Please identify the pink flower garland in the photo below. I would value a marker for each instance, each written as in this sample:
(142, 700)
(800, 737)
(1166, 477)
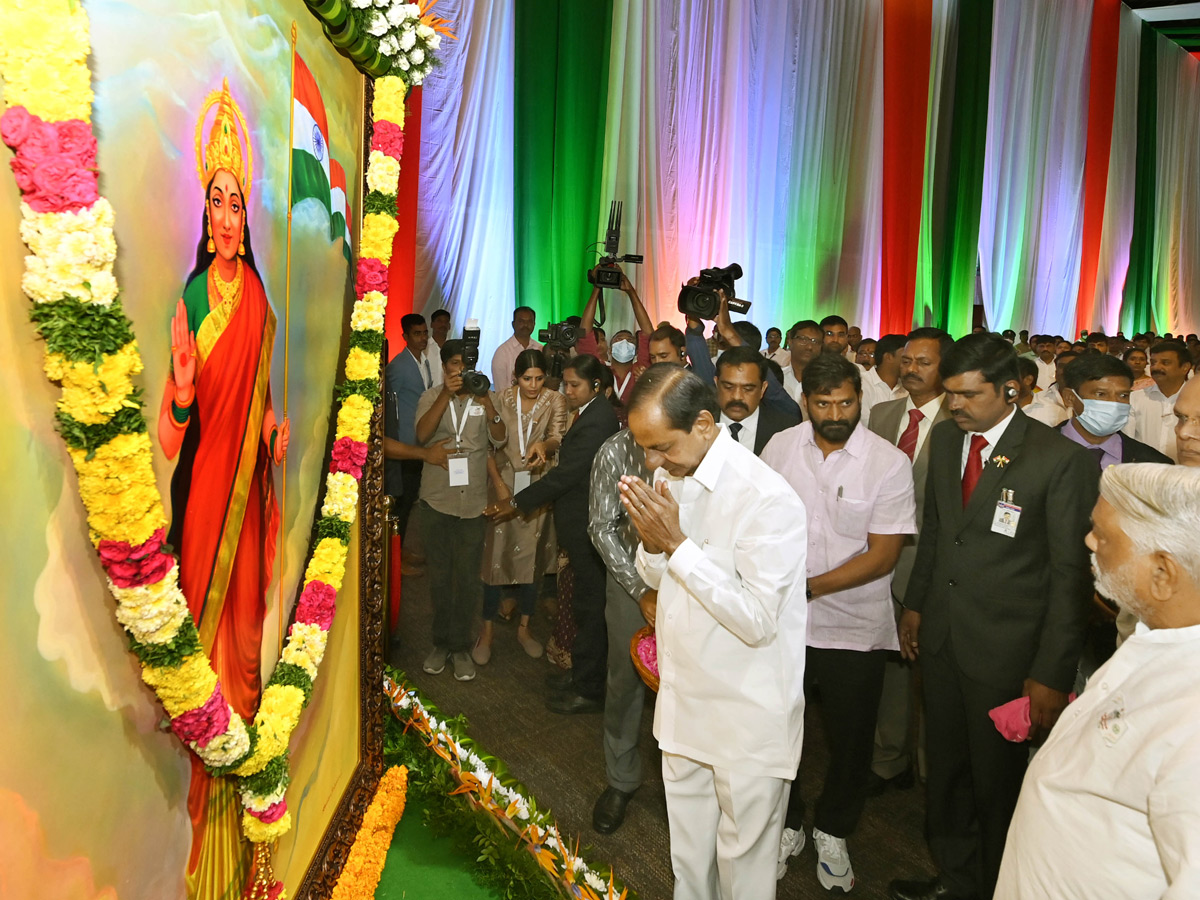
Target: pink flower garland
(372, 276)
(316, 605)
(388, 139)
(55, 163)
(349, 456)
(205, 723)
(130, 567)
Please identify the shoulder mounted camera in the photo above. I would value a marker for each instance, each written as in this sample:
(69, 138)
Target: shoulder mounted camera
(701, 301)
(606, 274)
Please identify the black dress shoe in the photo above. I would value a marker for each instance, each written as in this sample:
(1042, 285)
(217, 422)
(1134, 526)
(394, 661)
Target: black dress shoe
(933, 889)
(560, 678)
(609, 811)
(877, 784)
(573, 704)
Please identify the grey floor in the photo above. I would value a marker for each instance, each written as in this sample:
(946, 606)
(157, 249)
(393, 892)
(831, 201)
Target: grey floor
(561, 760)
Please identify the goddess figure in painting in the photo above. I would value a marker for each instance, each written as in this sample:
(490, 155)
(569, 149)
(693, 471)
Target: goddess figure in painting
(217, 417)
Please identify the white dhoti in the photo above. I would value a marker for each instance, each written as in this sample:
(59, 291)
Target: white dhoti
(725, 830)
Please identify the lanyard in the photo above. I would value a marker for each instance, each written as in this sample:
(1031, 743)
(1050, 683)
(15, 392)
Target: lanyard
(523, 433)
(624, 382)
(458, 429)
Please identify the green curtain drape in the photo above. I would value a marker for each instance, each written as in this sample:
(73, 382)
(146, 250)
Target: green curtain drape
(955, 262)
(561, 57)
(1137, 307)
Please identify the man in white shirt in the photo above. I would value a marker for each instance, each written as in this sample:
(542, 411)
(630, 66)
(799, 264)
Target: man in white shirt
(804, 342)
(857, 491)
(1152, 409)
(775, 351)
(722, 541)
(1110, 805)
(506, 354)
(1047, 371)
(882, 382)
(1048, 406)
(835, 334)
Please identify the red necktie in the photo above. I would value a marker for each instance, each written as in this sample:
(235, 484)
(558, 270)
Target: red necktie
(974, 466)
(908, 440)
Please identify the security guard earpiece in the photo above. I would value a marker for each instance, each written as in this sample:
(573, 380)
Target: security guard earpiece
(1010, 393)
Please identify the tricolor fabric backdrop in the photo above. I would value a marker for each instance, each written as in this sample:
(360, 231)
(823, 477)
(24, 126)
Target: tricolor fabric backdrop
(889, 160)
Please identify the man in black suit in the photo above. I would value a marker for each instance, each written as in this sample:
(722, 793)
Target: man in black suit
(566, 486)
(741, 379)
(996, 605)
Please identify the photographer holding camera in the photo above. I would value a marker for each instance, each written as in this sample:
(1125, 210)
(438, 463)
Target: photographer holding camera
(711, 296)
(629, 353)
(452, 500)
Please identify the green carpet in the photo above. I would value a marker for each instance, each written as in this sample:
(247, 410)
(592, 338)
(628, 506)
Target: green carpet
(422, 866)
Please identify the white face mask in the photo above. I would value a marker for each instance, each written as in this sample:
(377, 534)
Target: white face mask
(623, 351)
(1103, 417)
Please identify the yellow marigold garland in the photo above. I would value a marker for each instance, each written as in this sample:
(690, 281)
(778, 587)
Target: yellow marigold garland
(364, 865)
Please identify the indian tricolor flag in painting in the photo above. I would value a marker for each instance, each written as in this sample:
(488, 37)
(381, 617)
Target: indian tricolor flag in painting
(340, 219)
(310, 139)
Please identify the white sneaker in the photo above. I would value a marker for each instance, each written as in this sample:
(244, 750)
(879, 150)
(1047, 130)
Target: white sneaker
(435, 662)
(790, 845)
(833, 862)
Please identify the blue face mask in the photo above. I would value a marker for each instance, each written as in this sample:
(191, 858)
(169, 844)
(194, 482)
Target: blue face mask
(1103, 417)
(623, 351)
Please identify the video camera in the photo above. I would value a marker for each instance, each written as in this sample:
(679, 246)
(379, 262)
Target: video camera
(700, 300)
(606, 274)
(473, 380)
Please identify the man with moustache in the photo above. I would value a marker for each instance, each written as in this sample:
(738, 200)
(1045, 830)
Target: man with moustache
(1152, 416)
(858, 494)
(906, 424)
(1110, 806)
(996, 605)
(506, 354)
(804, 342)
(1048, 406)
(722, 541)
(741, 381)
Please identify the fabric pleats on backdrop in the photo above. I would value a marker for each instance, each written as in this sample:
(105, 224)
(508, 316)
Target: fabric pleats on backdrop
(465, 200)
(753, 131)
(1031, 222)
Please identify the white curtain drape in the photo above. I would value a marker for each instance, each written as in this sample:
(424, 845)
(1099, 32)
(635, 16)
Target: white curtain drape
(1117, 231)
(1031, 225)
(1177, 195)
(465, 199)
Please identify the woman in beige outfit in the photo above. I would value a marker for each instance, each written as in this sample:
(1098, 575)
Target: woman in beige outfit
(536, 419)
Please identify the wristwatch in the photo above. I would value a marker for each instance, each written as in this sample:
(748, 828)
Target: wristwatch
(496, 419)
(808, 592)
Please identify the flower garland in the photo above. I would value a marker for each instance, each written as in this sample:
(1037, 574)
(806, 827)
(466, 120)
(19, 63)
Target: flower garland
(406, 34)
(502, 797)
(92, 354)
(364, 864)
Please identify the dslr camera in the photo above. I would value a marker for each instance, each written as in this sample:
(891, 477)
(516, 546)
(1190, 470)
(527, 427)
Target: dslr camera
(473, 380)
(558, 339)
(606, 274)
(700, 300)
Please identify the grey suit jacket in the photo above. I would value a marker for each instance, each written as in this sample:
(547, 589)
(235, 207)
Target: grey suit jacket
(886, 419)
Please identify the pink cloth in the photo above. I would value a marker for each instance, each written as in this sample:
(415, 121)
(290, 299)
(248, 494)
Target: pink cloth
(1012, 719)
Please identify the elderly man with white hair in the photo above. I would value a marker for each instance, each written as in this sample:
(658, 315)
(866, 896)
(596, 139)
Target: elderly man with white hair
(1110, 806)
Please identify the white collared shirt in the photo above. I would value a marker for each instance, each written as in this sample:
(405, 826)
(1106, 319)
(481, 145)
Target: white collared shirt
(864, 488)
(875, 390)
(1046, 373)
(1048, 407)
(731, 617)
(992, 436)
(429, 365)
(792, 384)
(930, 410)
(749, 431)
(1152, 419)
(1110, 805)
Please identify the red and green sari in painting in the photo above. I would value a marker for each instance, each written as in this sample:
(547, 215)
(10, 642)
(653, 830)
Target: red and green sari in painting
(224, 524)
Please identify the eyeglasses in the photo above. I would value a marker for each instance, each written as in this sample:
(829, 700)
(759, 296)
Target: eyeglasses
(804, 340)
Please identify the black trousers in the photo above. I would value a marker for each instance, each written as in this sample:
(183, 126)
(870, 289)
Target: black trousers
(974, 775)
(850, 682)
(410, 477)
(453, 554)
(589, 653)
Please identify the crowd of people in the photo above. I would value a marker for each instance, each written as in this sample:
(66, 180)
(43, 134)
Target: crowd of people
(1000, 515)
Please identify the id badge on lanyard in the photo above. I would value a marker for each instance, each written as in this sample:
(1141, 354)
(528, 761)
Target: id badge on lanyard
(457, 461)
